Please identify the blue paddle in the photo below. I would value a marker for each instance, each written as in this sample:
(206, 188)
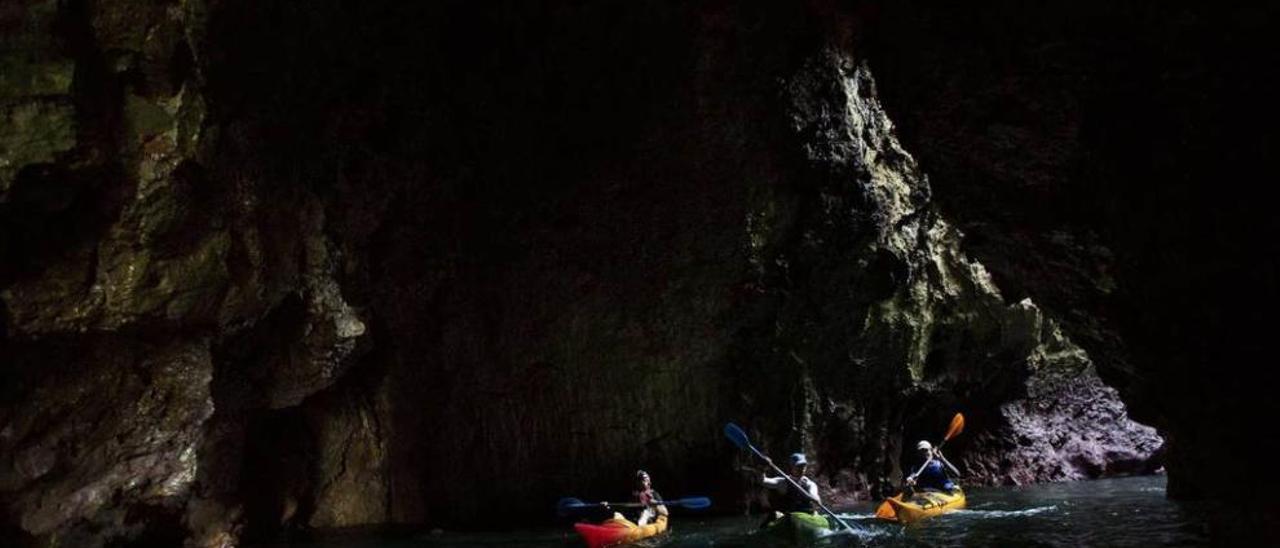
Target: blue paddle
(570, 505)
(739, 438)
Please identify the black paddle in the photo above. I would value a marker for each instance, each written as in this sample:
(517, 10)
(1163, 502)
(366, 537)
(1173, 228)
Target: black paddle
(567, 506)
(739, 438)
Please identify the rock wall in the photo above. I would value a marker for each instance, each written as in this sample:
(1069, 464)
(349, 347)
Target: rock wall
(940, 334)
(270, 268)
(142, 251)
(1106, 160)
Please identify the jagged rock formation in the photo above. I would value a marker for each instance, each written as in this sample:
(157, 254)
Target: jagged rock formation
(940, 331)
(1105, 159)
(135, 260)
(268, 267)
(1069, 425)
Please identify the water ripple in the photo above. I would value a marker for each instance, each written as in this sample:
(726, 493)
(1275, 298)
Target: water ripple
(1007, 513)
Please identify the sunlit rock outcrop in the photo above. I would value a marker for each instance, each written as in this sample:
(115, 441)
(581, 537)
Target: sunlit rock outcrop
(938, 337)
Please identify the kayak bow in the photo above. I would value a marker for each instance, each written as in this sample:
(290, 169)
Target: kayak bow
(922, 505)
(619, 530)
(800, 527)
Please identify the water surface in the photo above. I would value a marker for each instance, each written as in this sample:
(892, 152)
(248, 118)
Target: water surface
(1112, 512)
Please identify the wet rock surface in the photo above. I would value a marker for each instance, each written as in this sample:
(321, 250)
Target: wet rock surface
(1067, 426)
(272, 268)
(111, 431)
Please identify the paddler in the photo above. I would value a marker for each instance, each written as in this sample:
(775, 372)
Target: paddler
(932, 475)
(796, 500)
(651, 500)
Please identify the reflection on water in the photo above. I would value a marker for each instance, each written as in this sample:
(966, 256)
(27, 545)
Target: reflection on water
(1115, 512)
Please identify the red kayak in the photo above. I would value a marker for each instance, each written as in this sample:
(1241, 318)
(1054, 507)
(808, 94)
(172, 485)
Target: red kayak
(618, 530)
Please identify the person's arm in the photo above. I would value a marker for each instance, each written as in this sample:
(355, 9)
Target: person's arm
(661, 509)
(944, 460)
(811, 487)
(772, 483)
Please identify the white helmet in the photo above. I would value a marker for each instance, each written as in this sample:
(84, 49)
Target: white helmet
(924, 445)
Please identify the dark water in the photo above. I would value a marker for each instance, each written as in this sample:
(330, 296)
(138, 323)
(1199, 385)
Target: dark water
(1114, 512)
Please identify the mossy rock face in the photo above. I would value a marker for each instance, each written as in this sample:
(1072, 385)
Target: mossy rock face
(33, 131)
(37, 119)
(24, 75)
(29, 26)
(186, 287)
(146, 119)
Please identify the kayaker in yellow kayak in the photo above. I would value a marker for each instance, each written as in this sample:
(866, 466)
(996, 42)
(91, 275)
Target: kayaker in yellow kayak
(937, 494)
(932, 475)
(618, 530)
(645, 495)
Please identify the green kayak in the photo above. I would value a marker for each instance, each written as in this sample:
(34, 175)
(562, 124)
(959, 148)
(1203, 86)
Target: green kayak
(802, 527)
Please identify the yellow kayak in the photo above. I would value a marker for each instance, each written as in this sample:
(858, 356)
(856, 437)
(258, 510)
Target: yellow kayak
(923, 505)
(619, 530)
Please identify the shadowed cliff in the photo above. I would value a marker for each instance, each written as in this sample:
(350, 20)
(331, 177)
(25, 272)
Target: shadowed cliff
(270, 268)
(1107, 160)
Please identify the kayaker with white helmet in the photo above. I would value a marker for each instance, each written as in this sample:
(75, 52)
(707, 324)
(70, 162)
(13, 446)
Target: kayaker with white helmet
(933, 475)
(797, 501)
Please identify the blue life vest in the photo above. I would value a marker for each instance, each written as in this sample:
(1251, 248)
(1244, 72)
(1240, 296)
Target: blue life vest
(934, 477)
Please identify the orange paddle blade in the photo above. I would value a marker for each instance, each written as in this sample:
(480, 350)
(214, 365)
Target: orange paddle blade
(957, 424)
(886, 511)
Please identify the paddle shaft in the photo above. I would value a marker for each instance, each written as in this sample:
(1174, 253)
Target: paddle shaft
(797, 486)
(689, 503)
(953, 468)
(640, 504)
(938, 450)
